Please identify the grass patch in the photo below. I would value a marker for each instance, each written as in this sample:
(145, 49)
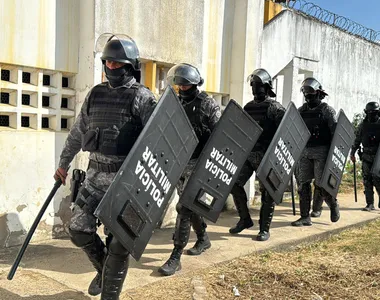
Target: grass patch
(346, 266)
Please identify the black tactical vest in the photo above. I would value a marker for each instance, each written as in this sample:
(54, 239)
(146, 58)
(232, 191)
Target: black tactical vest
(259, 112)
(370, 136)
(318, 127)
(195, 115)
(110, 114)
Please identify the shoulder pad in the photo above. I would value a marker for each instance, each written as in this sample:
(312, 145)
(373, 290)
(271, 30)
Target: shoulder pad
(202, 95)
(136, 85)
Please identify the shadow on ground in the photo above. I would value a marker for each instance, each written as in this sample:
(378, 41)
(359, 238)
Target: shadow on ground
(67, 295)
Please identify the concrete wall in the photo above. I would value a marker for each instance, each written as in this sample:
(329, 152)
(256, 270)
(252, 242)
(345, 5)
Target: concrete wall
(347, 66)
(41, 37)
(40, 33)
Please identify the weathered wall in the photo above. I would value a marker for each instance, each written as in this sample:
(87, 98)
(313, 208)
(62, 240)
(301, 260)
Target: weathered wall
(347, 66)
(27, 166)
(202, 32)
(40, 33)
(40, 37)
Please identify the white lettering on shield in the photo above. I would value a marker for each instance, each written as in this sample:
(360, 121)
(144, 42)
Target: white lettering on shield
(152, 176)
(338, 158)
(220, 166)
(284, 156)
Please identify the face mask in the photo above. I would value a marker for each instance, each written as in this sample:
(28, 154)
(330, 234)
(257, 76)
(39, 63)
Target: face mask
(259, 91)
(189, 94)
(312, 100)
(373, 117)
(117, 77)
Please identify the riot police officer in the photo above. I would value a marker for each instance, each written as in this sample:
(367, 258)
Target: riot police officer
(111, 118)
(203, 113)
(320, 119)
(368, 134)
(268, 113)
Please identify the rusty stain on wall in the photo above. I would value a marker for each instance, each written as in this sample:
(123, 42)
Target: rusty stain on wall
(21, 207)
(64, 213)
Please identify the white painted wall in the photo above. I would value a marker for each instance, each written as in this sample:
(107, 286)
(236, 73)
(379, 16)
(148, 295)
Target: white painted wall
(347, 66)
(39, 37)
(42, 34)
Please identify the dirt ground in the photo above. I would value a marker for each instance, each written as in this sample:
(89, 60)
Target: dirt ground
(346, 266)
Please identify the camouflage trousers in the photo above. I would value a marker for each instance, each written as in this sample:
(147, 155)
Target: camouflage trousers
(185, 217)
(96, 183)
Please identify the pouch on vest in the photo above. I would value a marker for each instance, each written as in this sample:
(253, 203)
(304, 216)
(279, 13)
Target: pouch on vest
(87, 202)
(108, 141)
(90, 140)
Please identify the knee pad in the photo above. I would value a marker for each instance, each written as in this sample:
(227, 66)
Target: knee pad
(80, 238)
(117, 249)
(178, 208)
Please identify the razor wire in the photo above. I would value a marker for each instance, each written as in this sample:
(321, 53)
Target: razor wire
(328, 17)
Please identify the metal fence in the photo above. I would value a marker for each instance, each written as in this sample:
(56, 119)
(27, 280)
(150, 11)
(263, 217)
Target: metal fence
(333, 19)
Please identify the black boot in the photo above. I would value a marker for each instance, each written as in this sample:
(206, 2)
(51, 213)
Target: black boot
(369, 198)
(114, 271)
(240, 200)
(203, 241)
(96, 253)
(241, 225)
(317, 203)
(334, 208)
(266, 215)
(173, 264)
(305, 199)
(180, 237)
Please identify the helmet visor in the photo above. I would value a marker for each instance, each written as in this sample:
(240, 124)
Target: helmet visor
(183, 74)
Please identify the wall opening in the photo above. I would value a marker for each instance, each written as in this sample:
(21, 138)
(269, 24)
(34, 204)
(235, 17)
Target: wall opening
(5, 75)
(4, 121)
(4, 98)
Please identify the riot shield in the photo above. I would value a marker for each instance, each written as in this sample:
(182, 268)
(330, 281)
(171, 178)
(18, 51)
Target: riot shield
(376, 163)
(220, 163)
(341, 143)
(283, 153)
(136, 199)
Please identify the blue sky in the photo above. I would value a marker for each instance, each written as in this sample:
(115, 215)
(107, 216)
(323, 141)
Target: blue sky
(365, 12)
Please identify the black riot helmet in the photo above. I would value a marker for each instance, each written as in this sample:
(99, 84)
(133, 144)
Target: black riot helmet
(184, 74)
(122, 49)
(372, 107)
(119, 48)
(311, 86)
(261, 78)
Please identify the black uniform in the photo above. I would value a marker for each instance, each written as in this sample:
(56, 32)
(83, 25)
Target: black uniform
(268, 113)
(203, 113)
(320, 119)
(368, 135)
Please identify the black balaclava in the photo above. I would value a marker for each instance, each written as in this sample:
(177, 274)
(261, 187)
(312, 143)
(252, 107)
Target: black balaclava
(190, 94)
(120, 76)
(373, 116)
(313, 100)
(259, 91)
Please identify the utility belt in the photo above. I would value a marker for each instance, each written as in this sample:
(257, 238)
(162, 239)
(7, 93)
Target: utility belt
(102, 167)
